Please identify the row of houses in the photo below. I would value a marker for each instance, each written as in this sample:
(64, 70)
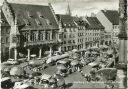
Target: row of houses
(35, 29)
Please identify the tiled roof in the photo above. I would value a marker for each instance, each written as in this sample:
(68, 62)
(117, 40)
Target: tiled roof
(34, 17)
(93, 22)
(67, 20)
(112, 15)
(80, 21)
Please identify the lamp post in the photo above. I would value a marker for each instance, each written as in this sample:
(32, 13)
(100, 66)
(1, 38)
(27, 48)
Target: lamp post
(123, 31)
(122, 64)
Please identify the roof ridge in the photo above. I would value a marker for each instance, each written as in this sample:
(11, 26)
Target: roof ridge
(28, 4)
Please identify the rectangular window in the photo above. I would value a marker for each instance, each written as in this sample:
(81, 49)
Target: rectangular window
(7, 39)
(14, 39)
(7, 31)
(65, 36)
(2, 40)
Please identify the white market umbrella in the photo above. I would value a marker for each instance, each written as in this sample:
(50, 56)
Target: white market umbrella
(94, 47)
(46, 76)
(63, 61)
(74, 62)
(108, 73)
(33, 55)
(5, 79)
(49, 60)
(35, 62)
(110, 52)
(60, 82)
(74, 50)
(61, 67)
(6, 69)
(93, 64)
(17, 71)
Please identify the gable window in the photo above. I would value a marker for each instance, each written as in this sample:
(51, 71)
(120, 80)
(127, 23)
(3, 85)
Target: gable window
(38, 22)
(27, 23)
(40, 15)
(48, 22)
(29, 14)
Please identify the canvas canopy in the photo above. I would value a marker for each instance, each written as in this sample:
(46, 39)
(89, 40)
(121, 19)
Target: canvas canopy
(55, 58)
(46, 76)
(16, 71)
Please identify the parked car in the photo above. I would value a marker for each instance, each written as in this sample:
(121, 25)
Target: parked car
(12, 61)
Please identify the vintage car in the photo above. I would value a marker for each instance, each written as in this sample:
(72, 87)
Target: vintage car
(12, 61)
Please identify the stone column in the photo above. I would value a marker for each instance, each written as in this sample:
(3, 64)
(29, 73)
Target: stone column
(44, 36)
(37, 36)
(9, 52)
(28, 54)
(15, 53)
(50, 50)
(51, 35)
(40, 52)
(29, 36)
(59, 48)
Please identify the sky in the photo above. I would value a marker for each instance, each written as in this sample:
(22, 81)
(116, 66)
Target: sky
(78, 7)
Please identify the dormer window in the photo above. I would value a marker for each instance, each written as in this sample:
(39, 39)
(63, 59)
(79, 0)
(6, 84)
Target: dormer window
(48, 22)
(29, 14)
(40, 15)
(38, 22)
(27, 23)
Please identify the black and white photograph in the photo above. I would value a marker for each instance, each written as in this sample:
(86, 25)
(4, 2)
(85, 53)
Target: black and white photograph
(63, 44)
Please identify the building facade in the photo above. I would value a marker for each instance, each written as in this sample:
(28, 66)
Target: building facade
(5, 42)
(81, 26)
(110, 20)
(69, 32)
(94, 32)
(34, 29)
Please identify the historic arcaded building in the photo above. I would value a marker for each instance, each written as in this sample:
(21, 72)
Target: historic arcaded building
(29, 29)
(5, 42)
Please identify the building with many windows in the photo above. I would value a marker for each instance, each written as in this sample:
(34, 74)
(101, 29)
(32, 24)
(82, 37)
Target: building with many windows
(69, 32)
(110, 20)
(81, 26)
(94, 32)
(31, 29)
(5, 42)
